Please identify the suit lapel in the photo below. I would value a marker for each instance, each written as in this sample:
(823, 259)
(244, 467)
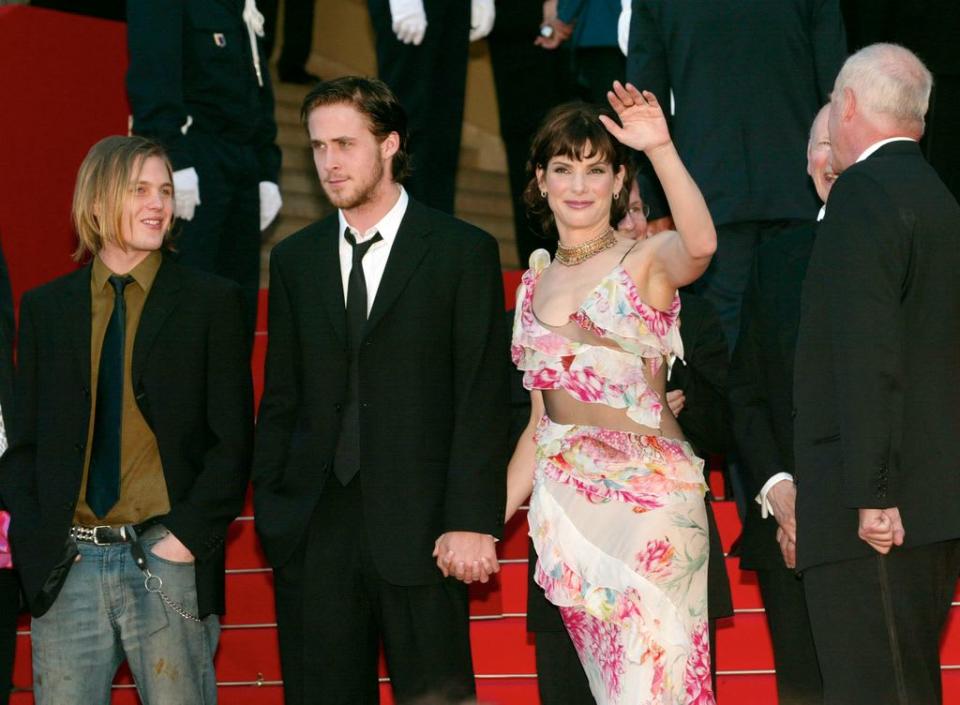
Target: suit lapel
(322, 270)
(163, 298)
(77, 317)
(408, 250)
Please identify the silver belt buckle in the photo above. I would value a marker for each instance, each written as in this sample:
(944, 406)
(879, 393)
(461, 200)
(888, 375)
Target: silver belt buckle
(96, 540)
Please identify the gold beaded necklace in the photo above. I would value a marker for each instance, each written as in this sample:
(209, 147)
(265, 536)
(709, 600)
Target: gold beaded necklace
(570, 256)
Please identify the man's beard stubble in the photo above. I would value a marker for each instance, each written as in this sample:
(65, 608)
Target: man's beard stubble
(365, 191)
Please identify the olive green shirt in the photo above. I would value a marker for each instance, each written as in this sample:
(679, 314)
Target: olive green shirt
(143, 488)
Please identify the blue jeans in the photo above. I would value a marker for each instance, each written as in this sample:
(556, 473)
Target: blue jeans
(104, 615)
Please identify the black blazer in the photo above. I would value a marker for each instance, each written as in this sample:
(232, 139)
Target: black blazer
(876, 381)
(748, 77)
(193, 59)
(761, 381)
(191, 378)
(432, 390)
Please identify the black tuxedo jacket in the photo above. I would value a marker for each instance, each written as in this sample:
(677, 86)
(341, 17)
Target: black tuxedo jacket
(761, 381)
(191, 378)
(748, 77)
(433, 392)
(876, 381)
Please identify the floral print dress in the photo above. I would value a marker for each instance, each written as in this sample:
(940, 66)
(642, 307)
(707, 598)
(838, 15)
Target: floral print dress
(618, 518)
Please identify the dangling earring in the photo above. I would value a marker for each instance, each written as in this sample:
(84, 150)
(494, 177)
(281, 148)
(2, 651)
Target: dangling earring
(616, 196)
(543, 194)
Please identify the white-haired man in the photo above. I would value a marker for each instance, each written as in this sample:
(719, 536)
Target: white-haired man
(877, 395)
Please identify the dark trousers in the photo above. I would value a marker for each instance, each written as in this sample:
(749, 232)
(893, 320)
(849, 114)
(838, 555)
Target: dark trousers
(224, 235)
(877, 623)
(727, 276)
(333, 609)
(798, 673)
(297, 32)
(9, 609)
(529, 81)
(595, 69)
(430, 81)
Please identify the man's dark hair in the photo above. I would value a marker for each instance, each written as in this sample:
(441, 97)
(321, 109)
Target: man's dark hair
(373, 99)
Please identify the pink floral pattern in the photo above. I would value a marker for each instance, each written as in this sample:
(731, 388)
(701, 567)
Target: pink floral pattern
(597, 373)
(697, 682)
(6, 557)
(656, 559)
(618, 518)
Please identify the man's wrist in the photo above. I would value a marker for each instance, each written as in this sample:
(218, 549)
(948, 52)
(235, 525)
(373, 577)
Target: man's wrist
(765, 508)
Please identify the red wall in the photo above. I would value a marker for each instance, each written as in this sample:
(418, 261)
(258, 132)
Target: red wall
(61, 90)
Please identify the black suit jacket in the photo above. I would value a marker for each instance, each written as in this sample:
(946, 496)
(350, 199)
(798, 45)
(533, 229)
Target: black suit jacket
(748, 77)
(761, 381)
(876, 381)
(432, 392)
(191, 378)
(193, 60)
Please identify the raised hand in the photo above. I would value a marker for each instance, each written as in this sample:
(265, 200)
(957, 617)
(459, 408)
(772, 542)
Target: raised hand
(644, 126)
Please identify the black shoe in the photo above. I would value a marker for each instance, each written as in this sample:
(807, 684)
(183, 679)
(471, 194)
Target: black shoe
(298, 75)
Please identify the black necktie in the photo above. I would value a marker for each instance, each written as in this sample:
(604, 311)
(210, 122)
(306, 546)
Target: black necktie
(346, 463)
(357, 288)
(103, 478)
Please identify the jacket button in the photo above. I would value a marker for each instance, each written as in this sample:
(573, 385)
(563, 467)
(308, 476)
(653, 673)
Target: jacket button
(338, 407)
(793, 413)
(79, 447)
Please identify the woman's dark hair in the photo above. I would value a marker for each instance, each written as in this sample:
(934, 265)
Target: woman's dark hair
(372, 98)
(574, 131)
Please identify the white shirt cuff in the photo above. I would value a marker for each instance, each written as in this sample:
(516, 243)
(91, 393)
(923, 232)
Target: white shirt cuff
(761, 498)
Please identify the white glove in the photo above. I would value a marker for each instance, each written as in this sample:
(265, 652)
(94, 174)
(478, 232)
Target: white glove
(409, 20)
(270, 203)
(186, 189)
(623, 26)
(482, 15)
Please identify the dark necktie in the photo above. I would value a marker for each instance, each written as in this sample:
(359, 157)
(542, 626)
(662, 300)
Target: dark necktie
(103, 477)
(346, 464)
(357, 289)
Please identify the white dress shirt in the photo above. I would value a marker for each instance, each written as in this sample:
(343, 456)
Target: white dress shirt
(375, 261)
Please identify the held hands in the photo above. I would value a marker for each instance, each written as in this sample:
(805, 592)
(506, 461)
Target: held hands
(783, 501)
(170, 548)
(644, 125)
(882, 529)
(466, 555)
(409, 20)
